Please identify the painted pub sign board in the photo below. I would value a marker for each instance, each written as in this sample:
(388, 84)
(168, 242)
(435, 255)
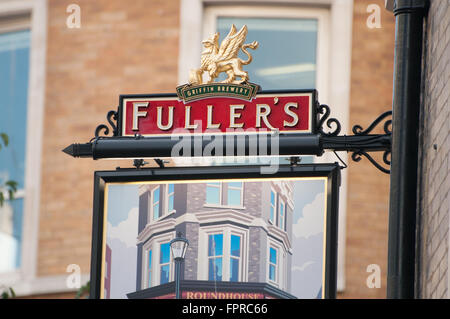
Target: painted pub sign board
(251, 236)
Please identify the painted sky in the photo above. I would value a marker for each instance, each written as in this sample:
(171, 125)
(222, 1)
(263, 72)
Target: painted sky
(123, 209)
(307, 238)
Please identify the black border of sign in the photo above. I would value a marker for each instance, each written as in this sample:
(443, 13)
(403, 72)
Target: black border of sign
(330, 171)
(171, 95)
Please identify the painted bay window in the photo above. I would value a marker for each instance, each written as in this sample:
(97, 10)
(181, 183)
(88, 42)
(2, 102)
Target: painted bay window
(235, 257)
(273, 264)
(157, 262)
(223, 249)
(215, 257)
(149, 269)
(164, 263)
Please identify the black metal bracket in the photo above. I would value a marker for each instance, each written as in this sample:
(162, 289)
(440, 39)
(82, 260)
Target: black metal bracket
(360, 144)
(112, 115)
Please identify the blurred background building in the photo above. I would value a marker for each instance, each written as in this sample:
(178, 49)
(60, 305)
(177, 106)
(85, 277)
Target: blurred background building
(60, 75)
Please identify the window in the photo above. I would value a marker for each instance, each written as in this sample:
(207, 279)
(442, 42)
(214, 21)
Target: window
(273, 264)
(156, 263)
(14, 66)
(170, 197)
(222, 253)
(164, 263)
(155, 203)
(281, 215)
(273, 206)
(235, 257)
(234, 194)
(215, 257)
(149, 269)
(213, 193)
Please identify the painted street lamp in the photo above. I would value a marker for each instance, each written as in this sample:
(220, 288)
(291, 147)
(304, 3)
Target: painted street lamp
(178, 246)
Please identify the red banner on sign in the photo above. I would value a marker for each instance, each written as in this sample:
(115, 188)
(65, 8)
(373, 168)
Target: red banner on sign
(159, 116)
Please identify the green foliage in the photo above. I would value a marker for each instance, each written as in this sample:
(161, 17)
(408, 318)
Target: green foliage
(5, 139)
(11, 186)
(8, 293)
(83, 291)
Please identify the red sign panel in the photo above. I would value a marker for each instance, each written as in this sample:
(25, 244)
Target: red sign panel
(167, 115)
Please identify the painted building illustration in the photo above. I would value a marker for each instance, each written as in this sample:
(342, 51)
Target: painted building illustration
(239, 232)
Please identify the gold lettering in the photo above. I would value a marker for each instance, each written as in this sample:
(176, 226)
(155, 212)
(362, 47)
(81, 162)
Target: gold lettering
(210, 123)
(169, 124)
(234, 116)
(137, 113)
(291, 114)
(263, 115)
(187, 119)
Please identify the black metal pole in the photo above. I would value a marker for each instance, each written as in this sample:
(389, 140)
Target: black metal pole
(409, 16)
(178, 262)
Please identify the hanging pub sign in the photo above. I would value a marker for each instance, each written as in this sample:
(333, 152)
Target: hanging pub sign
(250, 236)
(218, 113)
(232, 117)
(253, 234)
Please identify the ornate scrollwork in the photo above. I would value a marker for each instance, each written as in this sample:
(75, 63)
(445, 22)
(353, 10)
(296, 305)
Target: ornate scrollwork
(357, 156)
(110, 117)
(321, 109)
(358, 130)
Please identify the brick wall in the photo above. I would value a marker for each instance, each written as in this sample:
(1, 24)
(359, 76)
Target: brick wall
(368, 188)
(119, 49)
(434, 156)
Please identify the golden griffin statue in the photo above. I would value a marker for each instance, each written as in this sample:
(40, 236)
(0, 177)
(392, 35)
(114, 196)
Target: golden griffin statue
(216, 60)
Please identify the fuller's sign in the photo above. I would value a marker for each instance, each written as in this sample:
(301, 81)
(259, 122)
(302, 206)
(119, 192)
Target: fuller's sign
(156, 115)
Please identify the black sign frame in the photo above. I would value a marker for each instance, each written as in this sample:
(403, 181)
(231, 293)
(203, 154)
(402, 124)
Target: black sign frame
(330, 171)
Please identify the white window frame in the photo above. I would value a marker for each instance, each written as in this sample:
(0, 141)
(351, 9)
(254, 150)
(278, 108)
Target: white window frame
(277, 255)
(220, 187)
(239, 258)
(192, 30)
(153, 204)
(241, 189)
(169, 263)
(227, 231)
(168, 195)
(281, 219)
(149, 270)
(154, 244)
(273, 221)
(221, 203)
(24, 280)
(281, 269)
(217, 256)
